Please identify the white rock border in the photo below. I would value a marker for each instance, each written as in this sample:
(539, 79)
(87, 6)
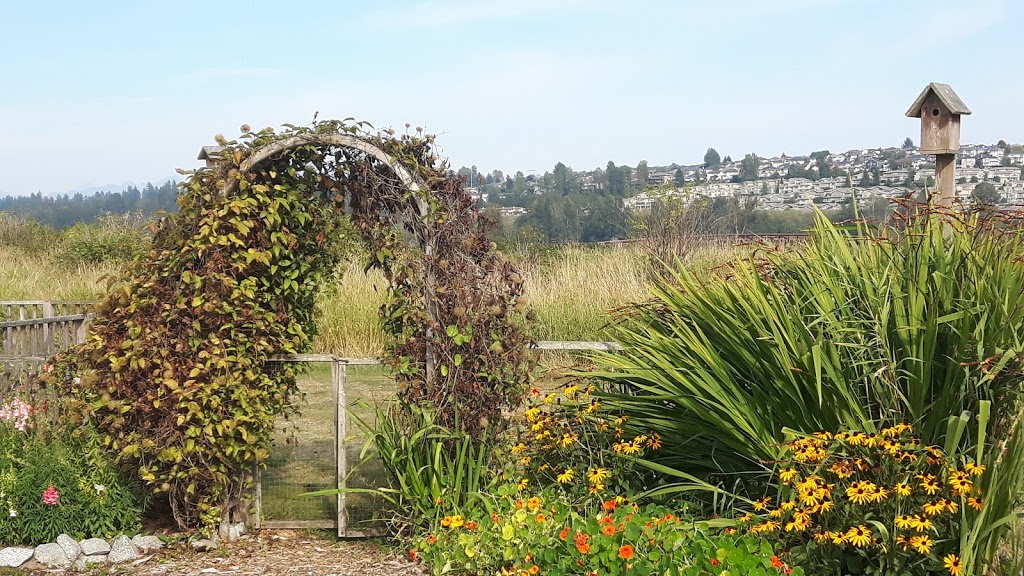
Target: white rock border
(127, 549)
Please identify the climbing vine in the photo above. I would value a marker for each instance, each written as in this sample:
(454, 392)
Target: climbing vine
(177, 367)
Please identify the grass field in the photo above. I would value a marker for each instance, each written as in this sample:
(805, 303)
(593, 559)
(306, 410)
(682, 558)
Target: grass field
(570, 289)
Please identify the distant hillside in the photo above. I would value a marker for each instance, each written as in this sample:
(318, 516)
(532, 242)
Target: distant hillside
(63, 211)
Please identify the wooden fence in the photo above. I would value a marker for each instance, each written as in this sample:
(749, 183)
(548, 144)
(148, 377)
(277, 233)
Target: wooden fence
(31, 332)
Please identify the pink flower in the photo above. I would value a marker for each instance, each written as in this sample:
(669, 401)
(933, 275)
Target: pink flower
(17, 412)
(51, 496)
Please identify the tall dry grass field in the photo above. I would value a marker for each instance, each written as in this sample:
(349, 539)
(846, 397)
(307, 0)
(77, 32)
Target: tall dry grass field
(41, 276)
(571, 289)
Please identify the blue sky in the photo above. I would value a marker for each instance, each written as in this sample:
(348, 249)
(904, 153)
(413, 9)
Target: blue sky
(94, 93)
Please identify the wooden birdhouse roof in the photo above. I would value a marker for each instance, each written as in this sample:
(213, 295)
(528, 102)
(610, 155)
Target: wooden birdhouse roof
(945, 94)
(210, 152)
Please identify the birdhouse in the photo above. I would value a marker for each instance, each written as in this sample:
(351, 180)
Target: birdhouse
(210, 154)
(939, 109)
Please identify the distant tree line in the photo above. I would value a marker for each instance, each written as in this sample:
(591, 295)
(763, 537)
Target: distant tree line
(64, 211)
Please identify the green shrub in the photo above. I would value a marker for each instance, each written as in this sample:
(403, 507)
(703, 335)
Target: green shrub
(60, 482)
(111, 238)
(25, 234)
(545, 534)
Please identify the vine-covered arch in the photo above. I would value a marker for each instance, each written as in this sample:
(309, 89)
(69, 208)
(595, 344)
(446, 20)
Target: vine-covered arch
(176, 370)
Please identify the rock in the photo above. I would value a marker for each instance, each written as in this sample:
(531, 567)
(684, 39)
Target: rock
(84, 562)
(14, 557)
(122, 550)
(70, 546)
(51, 555)
(230, 532)
(147, 543)
(204, 545)
(94, 546)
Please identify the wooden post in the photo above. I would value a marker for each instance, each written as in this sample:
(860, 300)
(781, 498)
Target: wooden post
(339, 373)
(945, 179)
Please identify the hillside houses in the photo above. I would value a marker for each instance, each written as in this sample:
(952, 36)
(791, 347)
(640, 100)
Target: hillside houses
(794, 182)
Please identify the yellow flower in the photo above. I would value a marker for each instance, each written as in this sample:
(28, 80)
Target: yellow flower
(654, 442)
(595, 488)
(568, 439)
(550, 398)
(930, 486)
(522, 483)
(922, 544)
(457, 521)
(746, 518)
(621, 420)
(922, 524)
(975, 469)
(531, 414)
(857, 438)
(565, 477)
(769, 526)
(951, 505)
(571, 391)
(841, 469)
(787, 475)
(761, 504)
(861, 492)
(597, 475)
(630, 448)
(953, 564)
(974, 503)
(518, 448)
(788, 505)
(933, 508)
(903, 489)
(859, 536)
(903, 521)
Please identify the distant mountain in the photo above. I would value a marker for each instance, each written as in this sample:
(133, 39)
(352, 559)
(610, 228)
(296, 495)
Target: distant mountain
(90, 190)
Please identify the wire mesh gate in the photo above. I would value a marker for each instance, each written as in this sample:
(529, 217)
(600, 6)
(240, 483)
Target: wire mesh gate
(310, 463)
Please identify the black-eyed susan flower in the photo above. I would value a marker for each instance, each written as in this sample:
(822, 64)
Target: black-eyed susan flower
(922, 543)
(974, 469)
(953, 564)
(902, 489)
(565, 477)
(787, 474)
(859, 536)
(974, 503)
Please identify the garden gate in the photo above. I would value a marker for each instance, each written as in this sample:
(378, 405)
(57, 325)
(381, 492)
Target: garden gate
(280, 490)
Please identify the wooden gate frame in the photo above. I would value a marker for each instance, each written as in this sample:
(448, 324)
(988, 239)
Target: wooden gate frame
(339, 377)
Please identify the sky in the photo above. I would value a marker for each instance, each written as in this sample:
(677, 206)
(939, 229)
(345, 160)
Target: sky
(106, 92)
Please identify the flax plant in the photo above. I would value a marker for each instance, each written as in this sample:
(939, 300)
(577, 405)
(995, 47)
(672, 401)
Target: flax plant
(874, 325)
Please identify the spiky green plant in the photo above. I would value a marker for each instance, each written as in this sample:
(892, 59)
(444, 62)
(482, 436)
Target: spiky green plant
(918, 324)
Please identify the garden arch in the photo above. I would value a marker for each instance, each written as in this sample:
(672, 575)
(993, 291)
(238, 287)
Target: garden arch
(177, 369)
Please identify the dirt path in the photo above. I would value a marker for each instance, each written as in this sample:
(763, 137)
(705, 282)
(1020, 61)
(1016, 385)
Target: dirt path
(268, 553)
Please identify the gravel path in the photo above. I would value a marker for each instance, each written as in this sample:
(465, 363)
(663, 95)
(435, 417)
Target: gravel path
(266, 553)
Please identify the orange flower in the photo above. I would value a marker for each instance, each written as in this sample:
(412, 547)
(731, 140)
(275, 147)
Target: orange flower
(582, 548)
(564, 533)
(608, 530)
(540, 518)
(626, 552)
(432, 539)
(776, 562)
(471, 525)
(609, 505)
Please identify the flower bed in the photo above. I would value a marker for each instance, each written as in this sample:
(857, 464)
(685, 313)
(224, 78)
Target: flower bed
(56, 482)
